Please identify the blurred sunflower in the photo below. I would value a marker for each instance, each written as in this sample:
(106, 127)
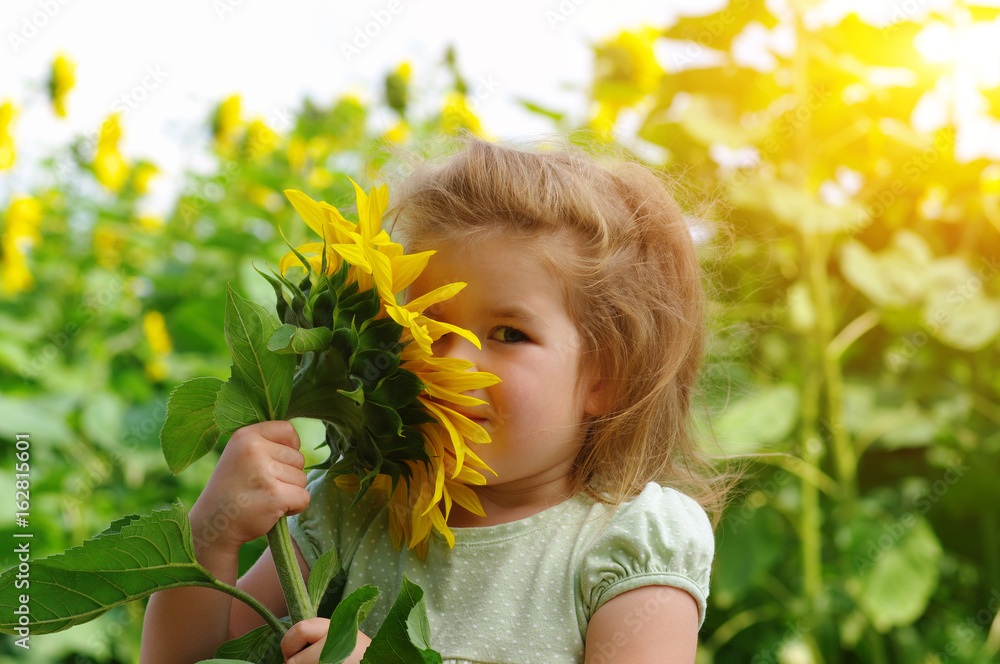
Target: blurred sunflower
(109, 165)
(7, 154)
(439, 473)
(20, 235)
(61, 81)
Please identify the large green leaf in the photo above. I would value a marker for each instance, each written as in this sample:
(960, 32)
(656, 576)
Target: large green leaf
(190, 431)
(343, 635)
(134, 557)
(405, 635)
(267, 375)
(897, 572)
(763, 419)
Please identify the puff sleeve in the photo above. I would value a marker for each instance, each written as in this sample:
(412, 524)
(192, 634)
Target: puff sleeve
(661, 538)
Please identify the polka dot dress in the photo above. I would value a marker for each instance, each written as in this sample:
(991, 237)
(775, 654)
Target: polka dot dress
(522, 591)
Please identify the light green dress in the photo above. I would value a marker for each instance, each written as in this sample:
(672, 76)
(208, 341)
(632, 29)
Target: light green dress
(522, 591)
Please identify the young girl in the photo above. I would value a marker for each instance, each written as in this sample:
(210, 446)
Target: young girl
(584, 290)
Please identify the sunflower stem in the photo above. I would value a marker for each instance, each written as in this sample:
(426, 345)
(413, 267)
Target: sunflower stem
(289, 575)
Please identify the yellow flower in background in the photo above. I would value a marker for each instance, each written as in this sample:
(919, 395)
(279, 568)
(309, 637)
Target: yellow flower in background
(398, 134)
(226, 123)
(154, 327)
(150, 223)
(261, 139)
(7, 113)
(108, 245)
(20, 235)
(319, 178)
(626, 70)
(61, 81)
(109, 165)
(143, 173)
(404, 71)
(296, 153)
(457, 115)
(423, 503)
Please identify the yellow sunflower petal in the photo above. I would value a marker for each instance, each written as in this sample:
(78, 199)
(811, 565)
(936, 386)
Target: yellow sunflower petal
(437, 329)
(311, 212)
(441, 294)
(406, 268)
(466, 497)
(458, 443)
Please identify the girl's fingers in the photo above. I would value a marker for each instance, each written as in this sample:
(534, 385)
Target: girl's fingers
(290, 475)
(279, 431)
(287, 455)
(302, 634)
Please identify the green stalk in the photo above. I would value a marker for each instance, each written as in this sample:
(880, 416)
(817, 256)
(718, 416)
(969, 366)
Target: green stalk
(272, 621)
(289, 574)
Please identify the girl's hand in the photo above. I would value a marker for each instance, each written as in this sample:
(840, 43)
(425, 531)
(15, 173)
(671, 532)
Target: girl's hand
(303, 643)
(258, 479)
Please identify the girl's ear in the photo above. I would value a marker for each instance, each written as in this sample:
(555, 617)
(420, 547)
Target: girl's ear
(596, 399)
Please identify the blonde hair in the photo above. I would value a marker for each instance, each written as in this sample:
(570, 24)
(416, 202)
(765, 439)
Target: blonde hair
(633, 288)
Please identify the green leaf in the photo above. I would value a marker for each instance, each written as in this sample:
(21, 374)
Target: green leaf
(190, 430)
(326, 570)
(237, 406)
(267, 375)
(260, 645)
(405, 635)
(898, 572)
(298, 340)
(763, 419)
(133, 558)
(342, 637)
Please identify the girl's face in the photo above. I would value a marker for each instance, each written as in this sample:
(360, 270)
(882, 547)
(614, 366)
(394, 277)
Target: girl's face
(515, 307)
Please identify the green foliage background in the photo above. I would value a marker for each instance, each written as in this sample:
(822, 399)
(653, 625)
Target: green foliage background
(852, 363)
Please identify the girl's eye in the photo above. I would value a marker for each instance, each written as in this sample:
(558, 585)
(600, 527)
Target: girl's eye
(508, 335)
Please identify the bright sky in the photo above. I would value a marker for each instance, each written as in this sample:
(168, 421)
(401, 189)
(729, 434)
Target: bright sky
(174, 61)
(167, 64)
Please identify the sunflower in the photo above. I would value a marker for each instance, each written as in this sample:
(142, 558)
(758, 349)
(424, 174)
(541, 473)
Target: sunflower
(380, 357)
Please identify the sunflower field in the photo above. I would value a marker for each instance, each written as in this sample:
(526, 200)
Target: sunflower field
(845, 189)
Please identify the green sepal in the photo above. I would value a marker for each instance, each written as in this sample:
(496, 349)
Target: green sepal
(290, 339)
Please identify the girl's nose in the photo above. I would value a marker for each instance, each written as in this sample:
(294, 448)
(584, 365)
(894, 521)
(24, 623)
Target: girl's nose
(453, 345)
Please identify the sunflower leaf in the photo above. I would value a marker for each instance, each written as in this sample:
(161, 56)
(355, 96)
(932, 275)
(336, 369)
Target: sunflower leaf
(131, 559)
(190, 431)
(342, 636)
(405, 635)
(266, 375)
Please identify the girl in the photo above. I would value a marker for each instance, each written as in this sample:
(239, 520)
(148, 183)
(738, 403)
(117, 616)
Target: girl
(584, 289)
